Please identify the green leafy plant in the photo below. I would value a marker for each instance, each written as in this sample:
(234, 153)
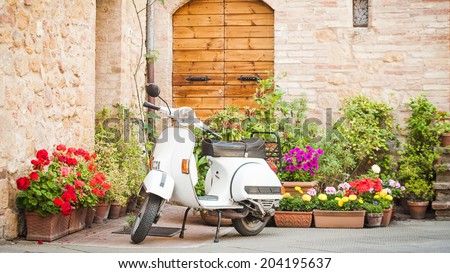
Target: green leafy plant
(367, 129)
(298, 202)
(122, 155)
(374, 207)
(416, 166)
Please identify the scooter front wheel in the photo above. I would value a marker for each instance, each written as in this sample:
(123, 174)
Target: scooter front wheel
(249, 225)
(145, 218)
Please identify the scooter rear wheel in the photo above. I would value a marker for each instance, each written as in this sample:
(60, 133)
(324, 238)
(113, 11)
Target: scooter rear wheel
(249, 225)
(145, 218)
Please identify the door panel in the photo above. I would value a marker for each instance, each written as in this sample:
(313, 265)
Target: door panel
(219, 48)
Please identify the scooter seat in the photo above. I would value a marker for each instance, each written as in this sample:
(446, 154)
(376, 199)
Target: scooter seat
(250, 147)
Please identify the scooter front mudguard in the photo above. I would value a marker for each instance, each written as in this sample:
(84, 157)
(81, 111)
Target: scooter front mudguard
(159, 183)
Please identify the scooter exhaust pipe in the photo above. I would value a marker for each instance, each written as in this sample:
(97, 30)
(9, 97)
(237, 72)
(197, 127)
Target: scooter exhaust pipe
(232, 214)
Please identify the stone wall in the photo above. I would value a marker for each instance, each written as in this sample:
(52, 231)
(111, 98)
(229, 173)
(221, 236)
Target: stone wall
(403, 52)
(120, 52)
(47, 86)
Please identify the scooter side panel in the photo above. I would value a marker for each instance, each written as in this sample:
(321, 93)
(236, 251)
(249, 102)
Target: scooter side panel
(159, 183)
(255, 181)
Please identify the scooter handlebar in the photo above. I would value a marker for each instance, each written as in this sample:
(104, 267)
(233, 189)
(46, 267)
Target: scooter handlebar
(209, 130)
(151, 106)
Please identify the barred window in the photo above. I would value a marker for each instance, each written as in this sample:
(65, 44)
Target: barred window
(360, 13)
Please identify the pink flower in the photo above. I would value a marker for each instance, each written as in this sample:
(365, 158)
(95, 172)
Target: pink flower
(65, 171)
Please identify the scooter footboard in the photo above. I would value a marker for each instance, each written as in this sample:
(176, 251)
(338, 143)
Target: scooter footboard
(159, 183)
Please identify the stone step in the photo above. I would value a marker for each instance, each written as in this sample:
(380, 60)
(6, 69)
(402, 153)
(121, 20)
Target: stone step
(442, 185)
(442, 195)
(443, 176)
(440, 205)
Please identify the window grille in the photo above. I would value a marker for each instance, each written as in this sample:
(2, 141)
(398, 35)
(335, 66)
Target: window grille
(360, 13)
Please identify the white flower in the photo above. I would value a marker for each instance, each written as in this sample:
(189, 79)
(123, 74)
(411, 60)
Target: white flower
(376, 168)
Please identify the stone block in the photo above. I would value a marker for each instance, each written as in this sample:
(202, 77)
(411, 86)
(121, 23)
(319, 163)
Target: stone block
(440, 205)
(443, 176)
(442, 186)
(443, 195)
(442, 213)
(11, 226)
(2, 91)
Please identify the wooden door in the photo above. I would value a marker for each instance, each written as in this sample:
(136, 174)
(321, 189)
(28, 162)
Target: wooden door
(220, 47)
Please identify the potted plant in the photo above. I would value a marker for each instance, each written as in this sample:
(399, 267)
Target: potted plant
(419, 193)
(295, 211)
(443, 130)
(338, 208)
(298, 169)
(57, 185)
(416, 165)
(121, 159)
(374, 213)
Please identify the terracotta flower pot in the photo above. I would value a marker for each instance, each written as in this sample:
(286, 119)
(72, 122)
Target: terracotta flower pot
(339, 219)
(373, 219)
(387, 216)
(77, 220)
(211, 220)
(114, 211)
(101, 212)
(289, 187)
(418, 209)
(123, 211)
(299, 219)
(46, 228)
(90, 216)
(445, 139)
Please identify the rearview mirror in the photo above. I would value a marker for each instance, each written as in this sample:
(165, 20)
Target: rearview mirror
(152, 90)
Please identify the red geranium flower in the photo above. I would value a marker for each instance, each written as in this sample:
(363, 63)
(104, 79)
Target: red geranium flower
(66, 208)
(61, 148)
(58, 201)
(23, 183)
(34, 176)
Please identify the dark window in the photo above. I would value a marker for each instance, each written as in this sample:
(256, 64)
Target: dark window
(360, 13)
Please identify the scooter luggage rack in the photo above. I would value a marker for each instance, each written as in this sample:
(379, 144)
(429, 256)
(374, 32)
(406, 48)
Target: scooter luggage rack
(273, 148)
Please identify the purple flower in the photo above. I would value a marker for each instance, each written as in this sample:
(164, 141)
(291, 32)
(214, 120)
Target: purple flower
(375, 202)
(388, 191)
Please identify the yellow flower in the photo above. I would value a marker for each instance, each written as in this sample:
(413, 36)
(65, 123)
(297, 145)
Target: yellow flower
(297, 188)
(352, 197)
(341, 203)
(389, 197)
(337, 198)
(361, 200)
(383, 193)
(345, 199)
(287, 195)
(376, 196)
(322, 197)
(306, 198)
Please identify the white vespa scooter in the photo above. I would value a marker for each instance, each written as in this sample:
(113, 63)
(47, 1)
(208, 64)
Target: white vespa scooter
(239, 184)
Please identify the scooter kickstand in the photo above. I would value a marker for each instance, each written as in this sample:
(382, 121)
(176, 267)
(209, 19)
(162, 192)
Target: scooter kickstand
(219, 218)
(184, 223)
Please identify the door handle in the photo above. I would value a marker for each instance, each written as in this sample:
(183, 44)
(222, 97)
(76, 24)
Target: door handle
(249, 78)
(198, 79)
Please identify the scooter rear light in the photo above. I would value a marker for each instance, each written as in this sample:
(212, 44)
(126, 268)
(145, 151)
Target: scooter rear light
(185, 166)
(150, 163)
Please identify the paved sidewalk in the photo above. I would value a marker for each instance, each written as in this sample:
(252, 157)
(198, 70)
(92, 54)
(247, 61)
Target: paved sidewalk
(420, 236)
